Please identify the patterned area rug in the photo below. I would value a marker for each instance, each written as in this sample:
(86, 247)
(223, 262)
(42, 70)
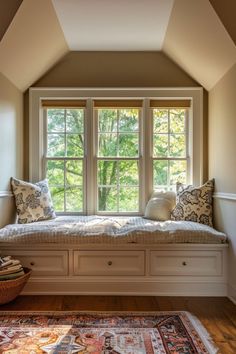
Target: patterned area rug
(123, 333)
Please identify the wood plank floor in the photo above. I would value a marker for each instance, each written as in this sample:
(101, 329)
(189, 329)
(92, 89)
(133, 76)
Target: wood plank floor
(218, 314)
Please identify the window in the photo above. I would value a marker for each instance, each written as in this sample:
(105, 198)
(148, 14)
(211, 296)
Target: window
(104, 151)
(170, 143)
(64, 157)
(118, 156)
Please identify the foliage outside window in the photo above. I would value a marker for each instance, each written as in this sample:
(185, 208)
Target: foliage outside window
(116, 155)
(65, 158)
(169, 147)
(118, 160)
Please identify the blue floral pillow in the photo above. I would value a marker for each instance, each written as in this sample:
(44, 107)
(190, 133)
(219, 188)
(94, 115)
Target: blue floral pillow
(33, 201)
(194, 203)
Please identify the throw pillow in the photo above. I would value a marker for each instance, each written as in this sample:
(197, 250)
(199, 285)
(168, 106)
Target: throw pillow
(160, 205)
(194, 203)
(33, 201)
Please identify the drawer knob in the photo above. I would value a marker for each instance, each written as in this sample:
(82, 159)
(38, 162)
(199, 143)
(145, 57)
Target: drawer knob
(32, 263)
(184, 263)
(109, 263)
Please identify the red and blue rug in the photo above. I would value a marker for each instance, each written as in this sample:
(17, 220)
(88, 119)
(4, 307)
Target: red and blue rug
(113, 333)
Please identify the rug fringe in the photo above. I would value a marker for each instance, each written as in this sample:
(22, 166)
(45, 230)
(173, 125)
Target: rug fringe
(203, 333)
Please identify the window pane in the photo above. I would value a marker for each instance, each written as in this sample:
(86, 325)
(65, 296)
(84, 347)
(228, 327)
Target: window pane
(56, 120)
(160, 145)
(74, 199)
(129, 199)
(75, 145)
(56, 145)
(129, 120)
(107, 199)
(57, 194)
(160, 173)
(128, 173)
(177, 145)
(107, 120)
(74, 173)
(108, 144)
(177, 120)
(128, 145)
(178, 172)
(107, 173)
(75, 120)
(55, 173)
(160, 121)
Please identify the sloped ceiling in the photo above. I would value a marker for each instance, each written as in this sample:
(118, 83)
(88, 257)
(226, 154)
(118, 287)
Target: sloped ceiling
(7, 12)
(226, 10)
(107, 25)
(195, 37)
(33, 43)
(197, 40)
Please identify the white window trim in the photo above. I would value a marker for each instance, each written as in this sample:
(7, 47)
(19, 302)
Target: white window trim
(187, 157)
(36, 138)
(139, 158)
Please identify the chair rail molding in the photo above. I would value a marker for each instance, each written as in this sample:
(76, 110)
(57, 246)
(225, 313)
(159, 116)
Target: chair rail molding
(6, 194)
(228, 196)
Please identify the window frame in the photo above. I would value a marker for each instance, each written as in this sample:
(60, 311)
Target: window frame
(187, 156)
(139, 158)
(46, 158)
(36, 138)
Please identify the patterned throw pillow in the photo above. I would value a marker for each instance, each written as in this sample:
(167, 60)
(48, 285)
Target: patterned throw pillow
(194, 203)
(33, 201)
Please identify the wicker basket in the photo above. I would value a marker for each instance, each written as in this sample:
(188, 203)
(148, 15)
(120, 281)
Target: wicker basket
(10, 289)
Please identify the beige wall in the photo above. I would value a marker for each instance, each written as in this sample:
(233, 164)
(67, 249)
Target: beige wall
(222, 160)
(11, 141)
(116, 69)
(112, 69)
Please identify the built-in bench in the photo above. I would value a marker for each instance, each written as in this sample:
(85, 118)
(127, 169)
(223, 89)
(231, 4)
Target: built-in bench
(101, 255)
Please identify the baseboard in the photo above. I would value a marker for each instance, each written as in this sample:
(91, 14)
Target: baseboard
(232, 293)
(72, 286)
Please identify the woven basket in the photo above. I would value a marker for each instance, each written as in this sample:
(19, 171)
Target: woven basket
(10, 289)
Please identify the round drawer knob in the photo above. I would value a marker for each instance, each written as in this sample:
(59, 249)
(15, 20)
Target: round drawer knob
(32, 263)
(184, 263)
(109, 263)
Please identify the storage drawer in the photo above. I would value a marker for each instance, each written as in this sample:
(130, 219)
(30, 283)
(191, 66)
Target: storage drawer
(43, 262)
(109, 262)
(193, 263)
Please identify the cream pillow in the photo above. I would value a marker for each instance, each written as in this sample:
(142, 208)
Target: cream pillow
(171, 196)
(33, 201)
(160, 206)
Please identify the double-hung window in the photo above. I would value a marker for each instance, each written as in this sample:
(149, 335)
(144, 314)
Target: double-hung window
(64, 161)
(170, 142)
(105, 153)
(118, 155)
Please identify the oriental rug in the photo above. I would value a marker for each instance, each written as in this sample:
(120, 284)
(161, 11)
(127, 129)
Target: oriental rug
(106, 333)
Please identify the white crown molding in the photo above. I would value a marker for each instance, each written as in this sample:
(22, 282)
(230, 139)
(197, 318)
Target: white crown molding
(229, 196)
(6, 194)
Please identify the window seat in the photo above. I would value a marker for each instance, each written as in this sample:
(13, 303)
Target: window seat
(110, 230)
(119, 255)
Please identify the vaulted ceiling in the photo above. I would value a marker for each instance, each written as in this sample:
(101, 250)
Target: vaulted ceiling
(199, 35)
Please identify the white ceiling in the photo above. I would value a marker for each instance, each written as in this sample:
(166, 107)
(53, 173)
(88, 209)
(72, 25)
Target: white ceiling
(114, 25)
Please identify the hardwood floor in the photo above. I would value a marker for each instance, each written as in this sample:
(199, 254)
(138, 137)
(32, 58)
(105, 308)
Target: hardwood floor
(217, 314)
